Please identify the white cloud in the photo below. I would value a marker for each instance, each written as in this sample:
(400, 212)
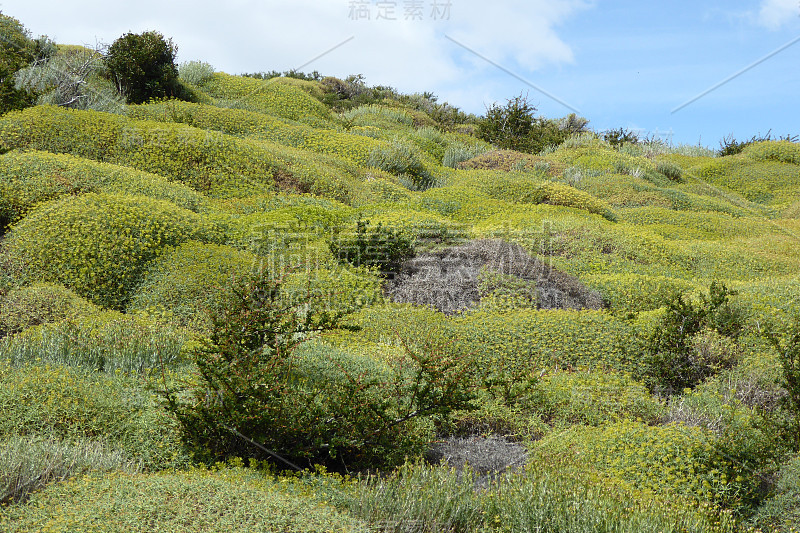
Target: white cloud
(256, 35)
(776, 13)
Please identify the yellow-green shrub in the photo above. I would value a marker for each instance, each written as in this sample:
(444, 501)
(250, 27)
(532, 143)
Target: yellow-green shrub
(631, 293)
(190, 280)
(98, 245)
(235, 500)
(665, 459)
(74, 404)
(274, 96)
(780, 151)
(219, 164)
(40, 303)
(29, 178)
(593, 398)
(763, 181)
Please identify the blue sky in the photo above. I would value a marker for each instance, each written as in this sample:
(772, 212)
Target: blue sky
(620, 64)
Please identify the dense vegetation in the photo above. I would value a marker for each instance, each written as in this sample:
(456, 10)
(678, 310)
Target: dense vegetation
(199, 327)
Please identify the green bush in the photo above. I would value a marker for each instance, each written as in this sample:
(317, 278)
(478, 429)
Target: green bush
(677, 358)
(236, 500)
(40, 303)
(28, 464)
(546, 497)
(99, 245)
(195, 72)
(101, 342)
(189, 281)
(781, 512)
(513, 127)
(142, 66)
(593, 398)
(260, 396)
(373, 246)
(32, 177)
(78, 405)
(16, 51)
(402, 160)
(670, 170)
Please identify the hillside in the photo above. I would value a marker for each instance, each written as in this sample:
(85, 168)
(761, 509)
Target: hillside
(604, 340)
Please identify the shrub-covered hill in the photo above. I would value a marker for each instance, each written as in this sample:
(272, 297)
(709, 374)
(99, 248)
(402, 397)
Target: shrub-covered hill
(187, 282)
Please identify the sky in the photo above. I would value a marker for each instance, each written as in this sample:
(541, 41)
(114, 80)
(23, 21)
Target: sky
(684, 72)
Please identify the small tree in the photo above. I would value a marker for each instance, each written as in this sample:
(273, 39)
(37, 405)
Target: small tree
(255, 397)
(508, 126)
(142, 66)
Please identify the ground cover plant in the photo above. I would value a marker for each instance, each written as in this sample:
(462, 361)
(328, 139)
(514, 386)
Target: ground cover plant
(291, 302)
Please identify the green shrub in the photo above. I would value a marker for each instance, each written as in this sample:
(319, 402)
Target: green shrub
(668, 460)
(28, 464)
(237, 500)
(670, 170)
(401, 160)
(32, 177)
(195, 72)
(373, 246)
(40, 303)
(102, 342)
(259, 396)
(99, 245)
(188, 281)
(547, 497)
(788, 350)
(677, 358)
(513, 127)
(76, 405)
(16, 51)
(781, 512)
(783, 151)
(593, 398)
(142, 66)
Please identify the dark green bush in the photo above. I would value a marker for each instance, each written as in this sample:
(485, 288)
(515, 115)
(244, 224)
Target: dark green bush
(514, 127)
(142, 66)
(620, 137)
(373, 246)
(258, 396)
(676, 359)
(788, 350)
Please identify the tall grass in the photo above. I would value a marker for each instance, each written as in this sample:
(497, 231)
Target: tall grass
(29, 463)
(124, 344)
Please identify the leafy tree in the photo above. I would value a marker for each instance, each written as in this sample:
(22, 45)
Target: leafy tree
(142, 66)
(17, 50)
(514, 127)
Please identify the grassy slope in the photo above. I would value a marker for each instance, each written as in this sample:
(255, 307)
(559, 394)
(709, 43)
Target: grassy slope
(234, 162)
